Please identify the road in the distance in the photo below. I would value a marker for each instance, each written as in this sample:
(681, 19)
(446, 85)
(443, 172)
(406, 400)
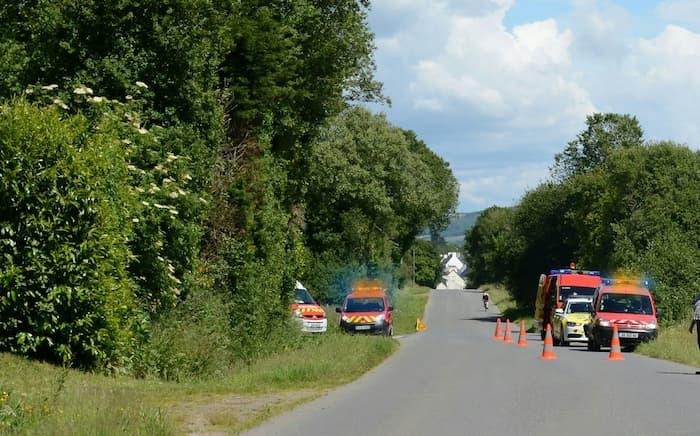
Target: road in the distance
(455, 379)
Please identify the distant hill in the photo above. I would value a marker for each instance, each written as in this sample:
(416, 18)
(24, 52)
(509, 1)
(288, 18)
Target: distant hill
(459, 223)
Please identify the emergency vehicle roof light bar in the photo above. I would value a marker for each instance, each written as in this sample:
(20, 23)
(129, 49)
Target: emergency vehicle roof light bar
(610, 282)
(574, 271)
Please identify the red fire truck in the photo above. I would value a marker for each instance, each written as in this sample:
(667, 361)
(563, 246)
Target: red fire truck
(558, 286)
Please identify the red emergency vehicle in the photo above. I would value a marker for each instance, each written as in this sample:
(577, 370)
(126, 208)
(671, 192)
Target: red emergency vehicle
(367, 310)
(627, 304)
(558, 286)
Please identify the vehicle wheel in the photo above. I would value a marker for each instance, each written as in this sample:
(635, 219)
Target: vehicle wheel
(565, 343)
(543, 334)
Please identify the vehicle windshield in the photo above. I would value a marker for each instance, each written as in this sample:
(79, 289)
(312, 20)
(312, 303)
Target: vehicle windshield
(303, 297)
(626, 303)
(566, 292)
(583, 307)
(364, 305)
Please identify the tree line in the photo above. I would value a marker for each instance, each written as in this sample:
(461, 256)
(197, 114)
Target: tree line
(615, 202)
(168, 169)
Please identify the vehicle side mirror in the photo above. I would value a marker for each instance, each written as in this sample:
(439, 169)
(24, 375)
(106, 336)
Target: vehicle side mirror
(391, 308)
(659, 313)
(559, 311)
(337, 309)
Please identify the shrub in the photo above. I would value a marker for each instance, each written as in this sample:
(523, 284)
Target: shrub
(65, 205)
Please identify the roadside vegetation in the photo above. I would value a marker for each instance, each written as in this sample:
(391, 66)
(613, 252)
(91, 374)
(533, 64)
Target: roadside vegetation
(409, 304)
(184, 176)
(674, 343)
(614, 202)
(39, 398)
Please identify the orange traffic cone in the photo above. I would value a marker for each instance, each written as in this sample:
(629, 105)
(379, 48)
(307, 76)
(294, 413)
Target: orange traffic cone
(548, 350)
(497, 334)
(522, 338)
(615, 351)
(507, 337)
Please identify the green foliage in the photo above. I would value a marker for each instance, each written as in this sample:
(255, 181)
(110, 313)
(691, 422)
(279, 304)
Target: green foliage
(488, 245)
(191, 341)
(65, 293)
(427, 262)
(371, 191)
(184, 200)
(173, 46)
(604, 134)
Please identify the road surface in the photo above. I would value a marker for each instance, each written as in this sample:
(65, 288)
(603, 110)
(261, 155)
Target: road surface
(454, 379)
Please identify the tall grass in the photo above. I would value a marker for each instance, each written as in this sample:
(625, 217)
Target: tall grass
(674, 343)
(409, 304)
(42, 399)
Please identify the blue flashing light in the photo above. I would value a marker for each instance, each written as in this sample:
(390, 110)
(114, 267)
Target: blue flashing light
(609, 282)
(573, 271)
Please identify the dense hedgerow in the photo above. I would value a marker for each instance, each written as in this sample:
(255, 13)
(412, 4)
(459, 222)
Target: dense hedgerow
(204, 187)
(98, 227)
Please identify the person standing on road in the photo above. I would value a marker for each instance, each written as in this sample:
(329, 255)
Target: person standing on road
(696, 318)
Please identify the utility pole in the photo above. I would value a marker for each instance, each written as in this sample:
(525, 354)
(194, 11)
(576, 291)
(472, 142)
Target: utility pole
(414, 267)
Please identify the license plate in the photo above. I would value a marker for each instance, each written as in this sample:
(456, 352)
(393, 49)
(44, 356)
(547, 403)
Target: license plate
(361, 327)
(629, 335)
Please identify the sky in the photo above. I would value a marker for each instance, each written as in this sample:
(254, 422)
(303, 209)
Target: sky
(498, 87)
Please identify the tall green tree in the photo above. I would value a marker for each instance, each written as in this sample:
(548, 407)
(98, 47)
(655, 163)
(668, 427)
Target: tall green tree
(369, 192)
(604, 133)
(489, 246)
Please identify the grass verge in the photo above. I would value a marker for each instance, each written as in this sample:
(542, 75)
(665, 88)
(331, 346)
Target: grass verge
(409, 304)
(508, 306)
(675, 344)
(42, 399)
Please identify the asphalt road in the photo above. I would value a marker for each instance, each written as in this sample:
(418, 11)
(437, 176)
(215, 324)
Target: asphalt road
(454, 379)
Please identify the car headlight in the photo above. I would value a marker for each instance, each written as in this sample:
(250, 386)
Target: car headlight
(297, 314)
(604, 323)
(379, 319)
(345, 318)
(651, 326)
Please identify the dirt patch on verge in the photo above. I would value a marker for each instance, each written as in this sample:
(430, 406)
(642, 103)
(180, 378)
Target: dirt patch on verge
(223, 415)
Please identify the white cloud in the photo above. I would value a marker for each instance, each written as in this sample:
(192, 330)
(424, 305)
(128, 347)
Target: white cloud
(672, 58)
(600, 28)
(498, 102)
(522, 77)
(481, 188)
(680, 11)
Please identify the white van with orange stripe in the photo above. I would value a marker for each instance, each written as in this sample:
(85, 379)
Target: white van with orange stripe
(310, 314)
